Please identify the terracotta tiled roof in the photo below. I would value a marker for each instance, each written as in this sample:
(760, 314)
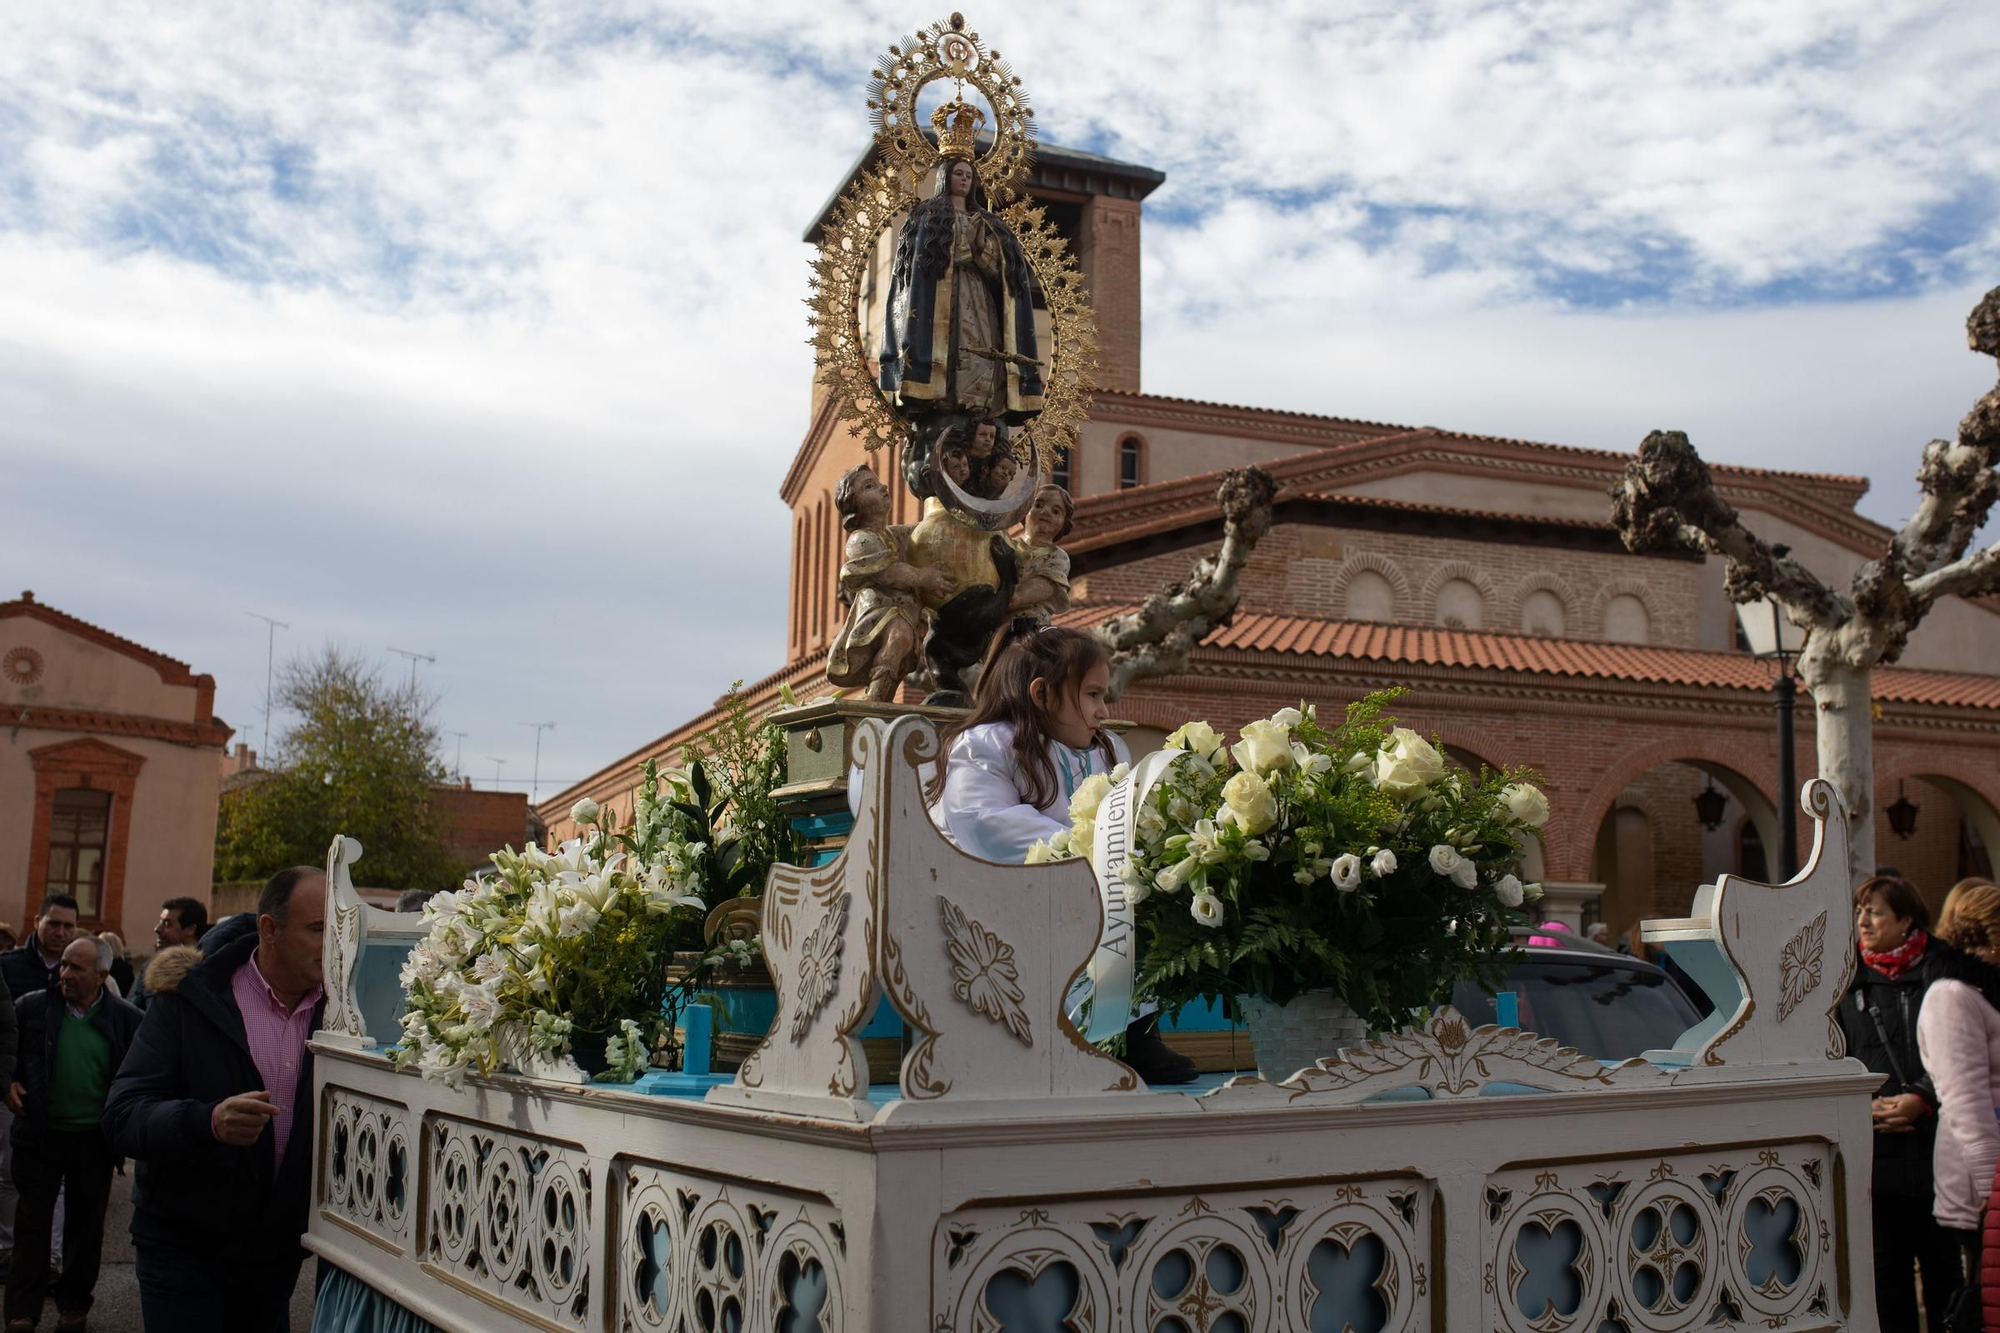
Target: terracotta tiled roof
(1429, 645)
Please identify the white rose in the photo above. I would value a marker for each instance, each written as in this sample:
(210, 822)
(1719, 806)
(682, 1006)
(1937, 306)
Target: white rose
(1288, 717)
(585, 811)
(1384, 864)
(1038, 854)
(1406, 764)
(1266, 747)
(1248, 797)
(1197, 738)
(1175, 877)
(1532, 892)
(1526, 803)
(1465, 874)
(1346, 872)
(1509, 891)
(1118, 773)
(1445, 858)
(1207, 909)
(1089, 795)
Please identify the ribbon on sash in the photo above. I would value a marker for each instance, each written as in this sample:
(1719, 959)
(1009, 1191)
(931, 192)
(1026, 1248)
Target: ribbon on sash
(1106, 986)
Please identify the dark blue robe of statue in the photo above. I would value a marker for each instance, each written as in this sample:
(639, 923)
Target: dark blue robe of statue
(925, 355)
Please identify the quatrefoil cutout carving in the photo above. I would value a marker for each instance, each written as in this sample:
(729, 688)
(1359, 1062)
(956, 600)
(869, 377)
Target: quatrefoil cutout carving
(1349, 1282)
(1548, 1267)
(1772, 1257)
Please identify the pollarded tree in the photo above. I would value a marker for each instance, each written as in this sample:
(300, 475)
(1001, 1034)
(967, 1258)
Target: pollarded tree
(1668, 500)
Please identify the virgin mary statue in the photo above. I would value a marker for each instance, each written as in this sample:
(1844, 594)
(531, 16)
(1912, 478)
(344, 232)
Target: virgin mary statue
(960, 333)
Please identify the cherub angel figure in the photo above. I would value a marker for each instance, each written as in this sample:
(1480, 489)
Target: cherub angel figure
(1043, 591)
(877, 644)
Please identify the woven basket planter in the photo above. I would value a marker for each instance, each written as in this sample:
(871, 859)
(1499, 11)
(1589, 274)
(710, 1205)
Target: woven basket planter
(1289, 1037)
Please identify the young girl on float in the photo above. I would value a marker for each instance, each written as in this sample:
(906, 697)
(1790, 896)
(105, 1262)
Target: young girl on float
(1036, 731)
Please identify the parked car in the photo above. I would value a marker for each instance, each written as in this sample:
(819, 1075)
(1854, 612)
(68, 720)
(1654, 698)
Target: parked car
(1606, 1004)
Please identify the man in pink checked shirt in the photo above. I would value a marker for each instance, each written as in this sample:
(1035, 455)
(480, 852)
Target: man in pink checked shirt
(214, 1102)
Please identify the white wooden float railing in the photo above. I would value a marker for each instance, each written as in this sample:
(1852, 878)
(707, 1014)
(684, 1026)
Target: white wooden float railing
(1019, 1179)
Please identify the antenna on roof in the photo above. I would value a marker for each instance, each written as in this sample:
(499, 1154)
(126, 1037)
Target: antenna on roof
(270, 654)
(414, 659)
(535, 784)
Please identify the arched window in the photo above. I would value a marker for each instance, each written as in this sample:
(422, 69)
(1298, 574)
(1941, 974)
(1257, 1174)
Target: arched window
(1750, 861)
(1370, 597)
(1131, 462)
(1625, 620)
(1459, 605)
(1542, 613)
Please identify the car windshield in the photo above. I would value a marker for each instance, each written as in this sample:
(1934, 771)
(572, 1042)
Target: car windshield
(1606, 1009)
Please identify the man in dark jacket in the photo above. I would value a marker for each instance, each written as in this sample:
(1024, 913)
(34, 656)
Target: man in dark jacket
(25, 970)
(182, 920)
(72, 1040)
(215, 1104)
(33, 966)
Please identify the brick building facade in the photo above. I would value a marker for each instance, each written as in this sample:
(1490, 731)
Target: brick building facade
(110, 772)
(1480, 573)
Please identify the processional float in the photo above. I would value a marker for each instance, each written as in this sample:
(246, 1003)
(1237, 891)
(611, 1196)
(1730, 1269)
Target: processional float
(1014, 1176)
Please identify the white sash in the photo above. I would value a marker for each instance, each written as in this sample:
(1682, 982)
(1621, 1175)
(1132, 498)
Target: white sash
(1107, 983)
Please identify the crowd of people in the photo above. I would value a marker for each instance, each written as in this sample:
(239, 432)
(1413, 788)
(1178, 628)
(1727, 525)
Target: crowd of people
(197, 1072)
(1923, 1011)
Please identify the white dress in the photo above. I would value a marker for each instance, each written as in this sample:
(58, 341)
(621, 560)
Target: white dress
(982, 809)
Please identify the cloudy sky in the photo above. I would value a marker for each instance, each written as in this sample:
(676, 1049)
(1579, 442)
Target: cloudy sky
(476, 329)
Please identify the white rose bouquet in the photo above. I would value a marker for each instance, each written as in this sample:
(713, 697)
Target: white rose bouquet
(551, 947)
(1353, 859)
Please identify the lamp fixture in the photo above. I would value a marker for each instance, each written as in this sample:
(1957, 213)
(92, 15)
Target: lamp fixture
(1709, 805)
(1903, 815)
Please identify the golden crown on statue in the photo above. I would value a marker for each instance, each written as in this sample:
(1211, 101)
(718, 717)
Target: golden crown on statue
(958, 124)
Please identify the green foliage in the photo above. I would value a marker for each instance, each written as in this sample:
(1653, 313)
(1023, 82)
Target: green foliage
(732, 772)
(360, 759)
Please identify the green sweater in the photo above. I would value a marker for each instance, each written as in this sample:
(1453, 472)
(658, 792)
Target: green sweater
(82, 1073)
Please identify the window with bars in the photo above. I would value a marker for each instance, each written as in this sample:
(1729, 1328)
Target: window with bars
(79, 829)
(1129, 450)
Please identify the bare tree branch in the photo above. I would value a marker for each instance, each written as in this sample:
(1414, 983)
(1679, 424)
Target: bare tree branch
(1667, 501)
(1974, 576)
(1159, 638)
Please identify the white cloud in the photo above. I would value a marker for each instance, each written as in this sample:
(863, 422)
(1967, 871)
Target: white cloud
(479, 330)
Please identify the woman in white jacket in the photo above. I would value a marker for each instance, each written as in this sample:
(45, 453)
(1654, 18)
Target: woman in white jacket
(1958, 1034)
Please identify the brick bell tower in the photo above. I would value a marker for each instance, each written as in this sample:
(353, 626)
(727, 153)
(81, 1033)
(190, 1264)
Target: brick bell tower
(1095, 202)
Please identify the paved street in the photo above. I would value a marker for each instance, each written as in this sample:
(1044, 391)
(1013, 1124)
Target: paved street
(117, 1308)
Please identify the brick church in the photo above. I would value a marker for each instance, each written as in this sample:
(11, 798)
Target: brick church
(1481, 573)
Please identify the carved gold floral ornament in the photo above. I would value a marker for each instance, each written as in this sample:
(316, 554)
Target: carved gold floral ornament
(1800, 965)
(983, 975)
(819, 967)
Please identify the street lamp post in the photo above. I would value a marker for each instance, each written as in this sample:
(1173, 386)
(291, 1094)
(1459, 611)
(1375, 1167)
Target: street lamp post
(1787, 693)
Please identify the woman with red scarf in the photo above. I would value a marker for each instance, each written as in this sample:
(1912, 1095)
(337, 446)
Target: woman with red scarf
(1899, 960)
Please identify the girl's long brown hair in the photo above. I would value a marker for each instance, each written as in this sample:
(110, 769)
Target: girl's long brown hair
(1022, 654)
